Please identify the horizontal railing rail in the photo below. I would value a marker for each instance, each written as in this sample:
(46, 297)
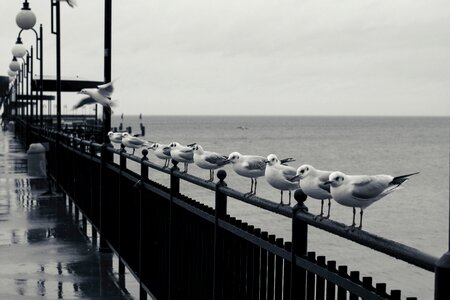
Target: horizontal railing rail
(290, 254)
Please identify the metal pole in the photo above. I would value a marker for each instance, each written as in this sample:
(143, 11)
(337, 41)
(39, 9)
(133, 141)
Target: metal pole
(41, 79)
(107, 66)
(58, 65)
(31, 86)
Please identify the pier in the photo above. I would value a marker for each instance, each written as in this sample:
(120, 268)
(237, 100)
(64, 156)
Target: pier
(90, 207)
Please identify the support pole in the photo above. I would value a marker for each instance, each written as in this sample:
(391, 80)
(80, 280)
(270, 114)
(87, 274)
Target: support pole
(107, 66)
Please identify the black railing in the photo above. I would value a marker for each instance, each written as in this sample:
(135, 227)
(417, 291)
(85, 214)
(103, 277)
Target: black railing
(177, 247)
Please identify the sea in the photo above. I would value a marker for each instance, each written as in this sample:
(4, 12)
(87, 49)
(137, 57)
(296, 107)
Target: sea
(417, 215)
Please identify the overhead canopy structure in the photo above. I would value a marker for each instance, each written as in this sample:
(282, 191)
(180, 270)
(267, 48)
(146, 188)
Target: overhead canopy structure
(35, 97)
(67, 85)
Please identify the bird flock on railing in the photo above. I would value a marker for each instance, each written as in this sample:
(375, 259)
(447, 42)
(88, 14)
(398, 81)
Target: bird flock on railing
(356, 191)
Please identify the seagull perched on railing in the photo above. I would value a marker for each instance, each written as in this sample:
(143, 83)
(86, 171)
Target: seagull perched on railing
(115, 137)
(251, 166)
(313, 184)
(161, 152)
(184, 154)
(101, 95)
(209, 160)
(363, 190)
(279, 175)
(133, 141)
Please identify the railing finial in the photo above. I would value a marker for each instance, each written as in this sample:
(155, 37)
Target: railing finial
(222, 174)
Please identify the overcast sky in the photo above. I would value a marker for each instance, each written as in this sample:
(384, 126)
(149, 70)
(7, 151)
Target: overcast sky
(265, 57)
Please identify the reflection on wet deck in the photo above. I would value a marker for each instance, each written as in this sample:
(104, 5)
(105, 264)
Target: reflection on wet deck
(42, 251)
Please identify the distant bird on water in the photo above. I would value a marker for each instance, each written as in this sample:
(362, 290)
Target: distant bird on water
(133, 142)
(313, 184)
(161, 152)
(71, 3)
(208, 160)
(183, 154)
(101, 95)
(115, 137)
(363, 190)
(279, 176)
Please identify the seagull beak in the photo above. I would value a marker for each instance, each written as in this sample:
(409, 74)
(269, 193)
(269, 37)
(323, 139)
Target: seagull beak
(266, 161)
(191, 145)
(294, 178)
(327, 182)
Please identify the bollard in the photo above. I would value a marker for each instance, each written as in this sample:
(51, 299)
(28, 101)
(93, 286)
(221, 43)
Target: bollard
(221, 211)
(299, 247)
(36, 161)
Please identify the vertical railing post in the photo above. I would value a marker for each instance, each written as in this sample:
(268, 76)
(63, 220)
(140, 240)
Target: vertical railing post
(144, 178)
(104, 197)
(123, 167)
(220, 212)
(442, 278)
(299, 247)
(174, 191)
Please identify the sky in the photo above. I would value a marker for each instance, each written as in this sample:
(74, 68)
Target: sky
(254, 57)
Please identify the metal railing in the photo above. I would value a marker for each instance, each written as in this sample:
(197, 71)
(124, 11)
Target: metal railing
(177, 247)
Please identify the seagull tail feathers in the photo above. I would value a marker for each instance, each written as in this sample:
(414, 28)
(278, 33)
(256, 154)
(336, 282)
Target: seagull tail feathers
(403, 178)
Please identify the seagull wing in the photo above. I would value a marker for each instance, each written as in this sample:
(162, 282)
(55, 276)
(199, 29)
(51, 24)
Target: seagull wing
(135, 141)
(256, 163)
(289, 172)
(216, 159)
(106, 89)
(166, 150)
(322, 178)
(84, 101)
(367, 187)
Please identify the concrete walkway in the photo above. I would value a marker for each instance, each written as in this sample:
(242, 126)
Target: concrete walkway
(43, 254)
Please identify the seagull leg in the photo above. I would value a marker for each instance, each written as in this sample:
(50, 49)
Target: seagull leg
(185, 168)
(256, 184)
(134, 149)
(329, 207)
(281, 199)
(361, 218)
(321, 211)
(354, 213)
(211, 175)
(251, 188)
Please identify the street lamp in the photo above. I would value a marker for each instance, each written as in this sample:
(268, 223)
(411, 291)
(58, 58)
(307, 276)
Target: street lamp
(12, 73)
(26, 19)
(14, 65)
(19, 49)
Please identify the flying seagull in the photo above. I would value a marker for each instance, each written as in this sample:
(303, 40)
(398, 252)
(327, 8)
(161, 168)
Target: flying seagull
(101, 95)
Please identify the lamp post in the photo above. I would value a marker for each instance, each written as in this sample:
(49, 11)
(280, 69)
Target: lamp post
(26, 20)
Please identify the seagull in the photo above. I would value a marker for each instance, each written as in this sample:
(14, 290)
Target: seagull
(279, 176)
(162, 152)
(252, 166)
(313, 184)
(363, 190)
(184, 154)
(71, 3)
(209, 160)
(133, 142)
(101, 95)
(115, 137)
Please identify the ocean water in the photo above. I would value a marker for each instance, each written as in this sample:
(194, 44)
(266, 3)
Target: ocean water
(417, 215)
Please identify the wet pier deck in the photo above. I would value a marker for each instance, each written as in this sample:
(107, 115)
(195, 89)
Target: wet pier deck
(43, 254)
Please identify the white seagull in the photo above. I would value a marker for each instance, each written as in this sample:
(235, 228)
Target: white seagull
(184, 154)
(133, 142)
(115, 137)
(101, 95)
(363, 190)
(251, 166)
(161, 152)
(208, 160)
(279, 176)
(313, 184)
